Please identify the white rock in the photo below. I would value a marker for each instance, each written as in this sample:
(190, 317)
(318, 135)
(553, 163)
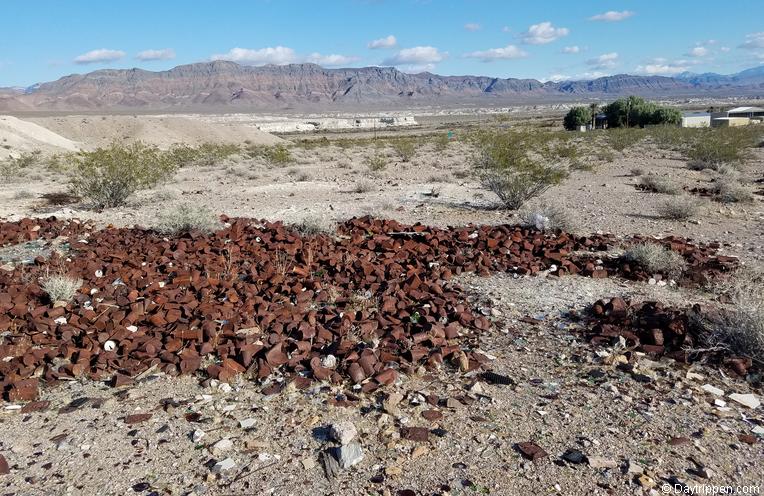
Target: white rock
(247, 423)
(223, 445)
(747, 400)
(109, 345)
(223, 465)
(132, 328)
(225, 387)
(343, 432)
(197, 435)
(719, 402)
(60, 320)
(711, 389)
(759, 430)
(349, 455)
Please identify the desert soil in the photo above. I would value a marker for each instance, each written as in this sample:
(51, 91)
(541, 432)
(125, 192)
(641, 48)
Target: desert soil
(566, 395)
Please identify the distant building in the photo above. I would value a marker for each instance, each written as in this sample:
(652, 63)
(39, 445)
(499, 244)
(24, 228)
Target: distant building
(749, 112)
(696, 119)
(738, 116)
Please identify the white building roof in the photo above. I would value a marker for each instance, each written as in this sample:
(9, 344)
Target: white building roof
(745, 109)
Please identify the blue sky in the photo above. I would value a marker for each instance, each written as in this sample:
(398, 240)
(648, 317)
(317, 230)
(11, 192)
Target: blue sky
(46, 39)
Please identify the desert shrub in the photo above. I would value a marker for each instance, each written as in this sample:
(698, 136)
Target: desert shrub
(656, 259)
(577, 116)
(376, 162)
(363, 186)
(657, 184)
(623, 138)
(715, 147)
(547, 218)
(108, 176)
(313, 225)
(205, 155)
(405, 148)
(678, 208)
(637, 171)
(729, 190)
(14, 166)
(186, 218)
(504, 167)
(60, 287)
(441, 141)
(740, 329)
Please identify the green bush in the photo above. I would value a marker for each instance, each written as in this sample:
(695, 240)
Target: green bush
(108, 176)
(376, 163)
(404, 148)
(577, 116)
(504, 167)
(623, 138)
(715, 147)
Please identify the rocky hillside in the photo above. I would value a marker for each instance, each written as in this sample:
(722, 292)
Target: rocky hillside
(228, 86)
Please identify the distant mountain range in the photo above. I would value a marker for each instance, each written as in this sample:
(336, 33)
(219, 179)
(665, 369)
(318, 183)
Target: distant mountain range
(227, 86)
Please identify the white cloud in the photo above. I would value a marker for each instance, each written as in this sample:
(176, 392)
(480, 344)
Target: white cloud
(506, 29)
(100, 55)
(278, 55)
(472, 26)
(612, 16)
(417, 68)
(724, 49)
(664, 67)
(753, 41)
(163, 54)
(386, 42)
(281, 55)
(505, 53)
(416, 56)
(543, 33)
(571, 49)
(556, 78)
(698, 51)
(604, 61)
(333, 60)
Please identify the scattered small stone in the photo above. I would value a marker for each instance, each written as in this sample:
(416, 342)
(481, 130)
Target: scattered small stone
(137, 418)
(419, 434)
(678, 441)
(390, 404)
(393, 470)
(601, 462)
(531, 451)
(349, 454)
(329, 362)
(4, 467)
(223, 445)
(574, 456)
(494, 378)
(308, 463)
(711, 389)
(747, 400)
(330, 464)
(197, 435)
(247, 423)
(646, 481)
(343, 432)
(223, 466)
(633, 467)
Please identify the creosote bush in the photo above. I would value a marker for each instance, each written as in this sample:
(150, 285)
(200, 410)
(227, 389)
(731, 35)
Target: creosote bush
(547, 218)
(314, 225)
(186, 218)
(404, 148)
(376, 163)
(504, 167)
(740, 329)
(657, 184)
(61, 287)
(679, 208)
(656, 259)
(108, 176)
(729, 190)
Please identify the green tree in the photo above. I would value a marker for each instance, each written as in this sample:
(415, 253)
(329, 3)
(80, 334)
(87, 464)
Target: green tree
(577, 116)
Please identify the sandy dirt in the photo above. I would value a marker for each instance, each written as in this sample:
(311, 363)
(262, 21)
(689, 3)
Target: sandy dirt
(638, 435)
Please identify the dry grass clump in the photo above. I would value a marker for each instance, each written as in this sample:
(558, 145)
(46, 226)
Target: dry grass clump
(61, 287)
(656, 259)
(363, 186)
(740, 330)
(547, 218)
(376, 163)
(186, 218)
(679, 208)
(637, 171)
(657, 184)
(314, 225)
(729, 190)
